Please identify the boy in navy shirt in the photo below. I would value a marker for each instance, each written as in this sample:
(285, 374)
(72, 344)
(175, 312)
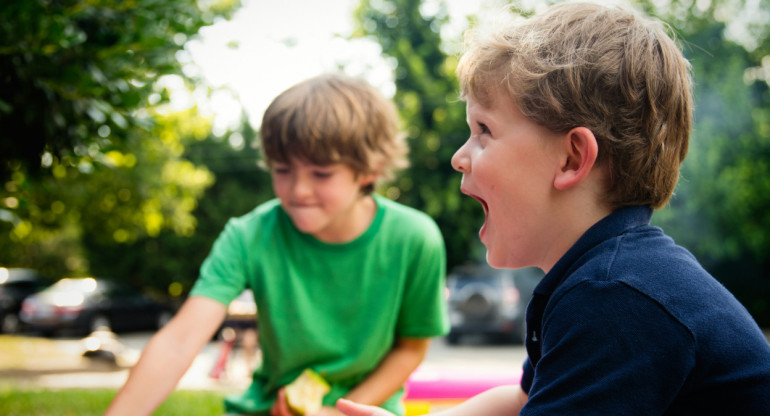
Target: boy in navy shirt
(580, 119)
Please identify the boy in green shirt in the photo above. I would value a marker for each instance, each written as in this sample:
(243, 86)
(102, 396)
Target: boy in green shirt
(348, 283)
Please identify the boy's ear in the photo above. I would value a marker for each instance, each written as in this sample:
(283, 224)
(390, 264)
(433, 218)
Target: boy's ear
(581, 150)
(366, 179)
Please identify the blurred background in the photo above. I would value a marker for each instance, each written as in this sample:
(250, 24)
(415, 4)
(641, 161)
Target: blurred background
(129, 130)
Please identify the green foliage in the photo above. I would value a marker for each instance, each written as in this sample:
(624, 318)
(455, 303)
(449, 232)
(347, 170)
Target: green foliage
(90, 157)
(168, 263)
(721, 209)
(433, 115)
(74, 72)
(107, 199)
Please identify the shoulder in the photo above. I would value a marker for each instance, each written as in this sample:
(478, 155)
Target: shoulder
(647, 270)
(641, 269)
(611, 309)
(244, 231)
(643, 258)
(264, 214)
(408, 225)
(398, 213)
(652, 263)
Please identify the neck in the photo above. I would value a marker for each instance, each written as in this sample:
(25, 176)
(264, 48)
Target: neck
(353, 225)
(574, 218)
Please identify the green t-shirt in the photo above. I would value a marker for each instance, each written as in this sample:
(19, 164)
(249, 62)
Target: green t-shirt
(335, 308)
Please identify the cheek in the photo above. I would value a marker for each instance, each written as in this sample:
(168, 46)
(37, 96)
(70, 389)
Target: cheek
(280, 186)
(489, 173)
(330, 192)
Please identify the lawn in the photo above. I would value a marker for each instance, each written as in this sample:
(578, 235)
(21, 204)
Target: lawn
(84, 402)
(22, 358)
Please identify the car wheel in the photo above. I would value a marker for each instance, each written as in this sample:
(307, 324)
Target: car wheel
(163, 319)
(10, 324)
(99, 322)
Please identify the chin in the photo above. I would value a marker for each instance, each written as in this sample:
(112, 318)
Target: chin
(504, 261)
(305, 228)
(495, 262)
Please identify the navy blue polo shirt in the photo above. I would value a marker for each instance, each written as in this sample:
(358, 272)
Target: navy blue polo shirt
(629, 323)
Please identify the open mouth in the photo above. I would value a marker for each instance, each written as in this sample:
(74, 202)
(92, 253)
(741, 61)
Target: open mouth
(482, 202)
(483, 229)
(477, 198)
(484, 206)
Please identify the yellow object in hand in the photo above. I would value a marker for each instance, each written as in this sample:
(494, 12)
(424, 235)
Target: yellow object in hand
(305, 394)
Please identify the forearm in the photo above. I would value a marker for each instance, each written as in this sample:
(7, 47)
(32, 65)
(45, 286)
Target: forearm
(498, 401)
(392, 372)
(167, 357)
(152, 379)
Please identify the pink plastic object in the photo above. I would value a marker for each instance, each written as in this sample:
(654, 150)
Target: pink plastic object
(221, 362)
(427, 384)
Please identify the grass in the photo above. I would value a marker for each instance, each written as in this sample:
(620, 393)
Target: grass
(29, 356)
(83, 402)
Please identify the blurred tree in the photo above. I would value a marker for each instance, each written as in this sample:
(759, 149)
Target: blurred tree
(169, 262)
(109, 200)
(74, 72)
(721, 210)
(433, 115)
(88, 149)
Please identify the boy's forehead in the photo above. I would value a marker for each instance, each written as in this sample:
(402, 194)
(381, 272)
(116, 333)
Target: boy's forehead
(495, 101)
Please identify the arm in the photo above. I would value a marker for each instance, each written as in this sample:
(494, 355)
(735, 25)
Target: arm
(392, 372)
(167, 357)
(498, 401)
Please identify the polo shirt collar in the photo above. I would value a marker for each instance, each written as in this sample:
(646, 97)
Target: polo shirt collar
(618, 222)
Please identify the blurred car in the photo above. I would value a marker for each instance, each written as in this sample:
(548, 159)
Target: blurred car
(87, 304)
(15, 285)
(489, 302)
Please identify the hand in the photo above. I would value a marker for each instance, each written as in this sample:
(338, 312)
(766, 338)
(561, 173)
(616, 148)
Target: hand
(354, 409)
(328, 411)
(281, 406)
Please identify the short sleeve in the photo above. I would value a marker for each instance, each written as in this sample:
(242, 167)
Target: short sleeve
(223, 272)
(424, 312)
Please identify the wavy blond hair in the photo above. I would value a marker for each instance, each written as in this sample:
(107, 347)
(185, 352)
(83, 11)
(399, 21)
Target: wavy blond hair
(604, 68)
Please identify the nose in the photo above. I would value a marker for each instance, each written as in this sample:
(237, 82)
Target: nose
(300, 186)
(461, 160)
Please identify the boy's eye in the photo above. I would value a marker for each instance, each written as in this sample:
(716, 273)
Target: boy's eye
(322, 174)
(483, 127)
(280, 170)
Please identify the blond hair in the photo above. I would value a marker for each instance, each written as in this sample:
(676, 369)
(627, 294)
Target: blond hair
(335, 118)
(604, 68)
